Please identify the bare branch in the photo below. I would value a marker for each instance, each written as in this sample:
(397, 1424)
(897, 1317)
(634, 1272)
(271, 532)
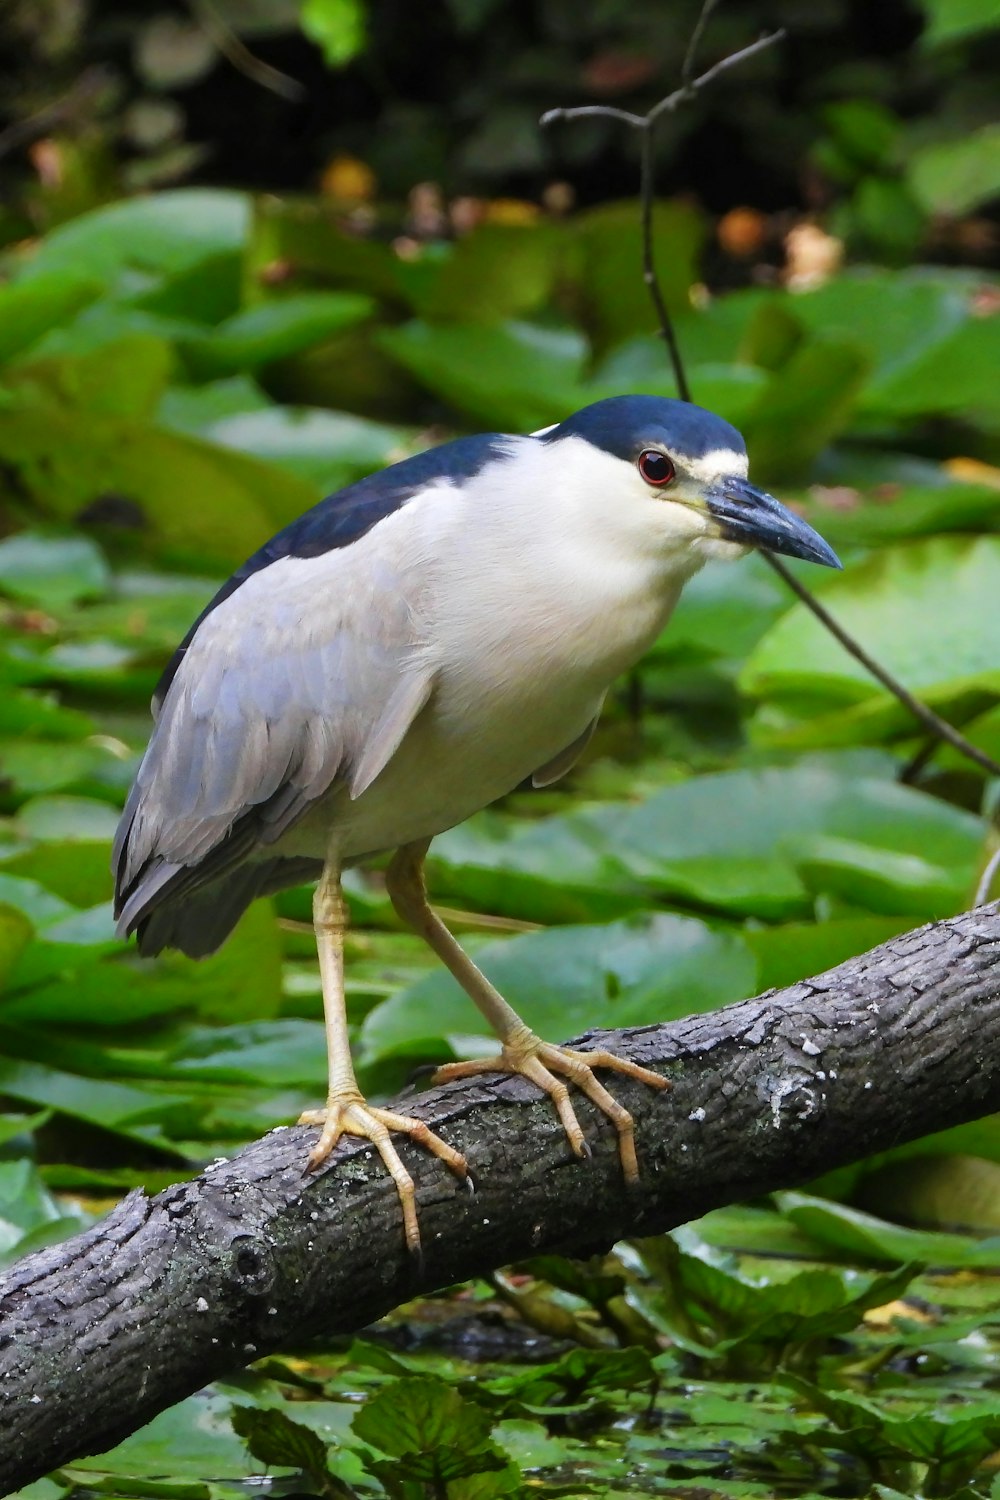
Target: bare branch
(687, 91)
(938, 727)
(170, 1292)
(687, 67)
(986, 880)
(238, 54)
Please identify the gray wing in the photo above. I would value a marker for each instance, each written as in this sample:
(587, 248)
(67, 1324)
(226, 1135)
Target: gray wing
(309, 674)
(554, 769)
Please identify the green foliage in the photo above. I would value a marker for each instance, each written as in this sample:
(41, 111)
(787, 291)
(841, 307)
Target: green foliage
(435, 1443)
(336, 26)
(183, 372)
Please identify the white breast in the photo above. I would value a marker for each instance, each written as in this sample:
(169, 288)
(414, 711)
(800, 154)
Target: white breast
(536, 600)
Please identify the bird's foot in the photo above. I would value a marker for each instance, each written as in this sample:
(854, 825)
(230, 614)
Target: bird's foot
(349, 1113)
(539, 1061)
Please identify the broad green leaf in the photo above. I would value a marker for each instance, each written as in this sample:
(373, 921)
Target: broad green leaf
(736, 839)
(615, 303)
(34, 715)
(921, 610)
(124, 1108)
(271, 331)
(733, 1309)
(897, 318)
(124, 377)
(65, 947)
(30, 1217)
(197, 504)
(955, 177)
(431, 1430)
(57, 818)
(134, 243)
(512, 376)
(568, 980)
(956, 378)
(498, 271)
(14, 1126)
(724, 611)
(864, 130)
(798, 950)
(104, 324)
(305, 237)
(938, 1192)
(29, 308)
(78, 870)
(15, 934)
(34, 766)
(640, 367)
(191, 1440)
(862, 1235)
(849, 517)
(552, 870)
(52, 570)
(804, 404)
(954, 20)
(195, 409)
(277, 1054)
(39, 905)
(414, 1416)
(882, 879)
(337, 27)
(275, 1439)
(72, 846)
(327, 448)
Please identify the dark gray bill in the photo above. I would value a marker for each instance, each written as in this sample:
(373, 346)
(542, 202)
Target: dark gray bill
(748, 515)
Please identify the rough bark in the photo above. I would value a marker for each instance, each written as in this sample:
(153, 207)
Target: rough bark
(100, 1333)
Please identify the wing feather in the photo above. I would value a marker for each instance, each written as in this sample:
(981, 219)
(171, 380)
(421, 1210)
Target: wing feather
(306, 676)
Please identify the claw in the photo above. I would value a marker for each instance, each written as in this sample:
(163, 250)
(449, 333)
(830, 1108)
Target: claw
(351, 1114)
(538, 1061)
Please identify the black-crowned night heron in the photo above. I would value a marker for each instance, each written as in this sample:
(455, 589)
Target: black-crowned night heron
(406, 652)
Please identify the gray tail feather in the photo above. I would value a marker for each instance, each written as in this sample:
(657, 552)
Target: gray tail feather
(197, 922)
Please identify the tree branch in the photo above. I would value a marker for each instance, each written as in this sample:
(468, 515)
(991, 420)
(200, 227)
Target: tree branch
(939, 727)
(99, 1334)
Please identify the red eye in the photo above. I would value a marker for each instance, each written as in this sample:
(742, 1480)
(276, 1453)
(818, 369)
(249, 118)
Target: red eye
(655, 467)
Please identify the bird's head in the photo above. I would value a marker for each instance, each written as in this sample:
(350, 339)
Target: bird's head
(692, 466)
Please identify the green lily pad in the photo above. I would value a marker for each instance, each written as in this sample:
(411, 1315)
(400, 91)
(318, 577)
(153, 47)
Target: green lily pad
(513, 377)
(920, 609)
(52, 570)
(272, 330)
(29, 308)
(327, 448)
(131, 244)
(571, 979)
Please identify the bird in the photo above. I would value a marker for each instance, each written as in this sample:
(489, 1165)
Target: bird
(406, 652)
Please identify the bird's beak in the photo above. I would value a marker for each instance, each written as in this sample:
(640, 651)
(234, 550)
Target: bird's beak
(748, 515)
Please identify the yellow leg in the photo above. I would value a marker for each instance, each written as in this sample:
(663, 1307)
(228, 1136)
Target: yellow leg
(346, 1110)
(521, 1050)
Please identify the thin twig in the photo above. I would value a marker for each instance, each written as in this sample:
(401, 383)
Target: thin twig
(665, 106)
(939, 727)
(236, 52)
(688, 90)
(84, 91)
(644, 124)
(986, 880)
(687, 67)
(649, 275)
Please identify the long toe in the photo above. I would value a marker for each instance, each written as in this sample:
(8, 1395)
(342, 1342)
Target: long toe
(543, 1062)
(353, 1115)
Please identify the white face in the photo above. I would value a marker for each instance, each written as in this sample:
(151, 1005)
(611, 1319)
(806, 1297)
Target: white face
(583, 497)
(684, 514)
